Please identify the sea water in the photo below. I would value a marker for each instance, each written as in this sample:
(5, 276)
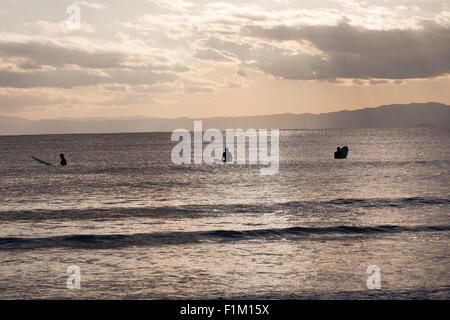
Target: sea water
(138, 226)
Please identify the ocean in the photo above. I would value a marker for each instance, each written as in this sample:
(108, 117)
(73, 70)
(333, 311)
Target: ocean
(138, 226)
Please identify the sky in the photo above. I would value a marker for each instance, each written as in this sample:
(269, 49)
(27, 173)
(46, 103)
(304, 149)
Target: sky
(196, 58)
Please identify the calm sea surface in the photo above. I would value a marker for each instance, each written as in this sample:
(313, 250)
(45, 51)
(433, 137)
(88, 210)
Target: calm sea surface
(141, 227)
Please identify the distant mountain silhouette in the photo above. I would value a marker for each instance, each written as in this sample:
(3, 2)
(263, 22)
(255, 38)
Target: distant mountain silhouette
(396, 115)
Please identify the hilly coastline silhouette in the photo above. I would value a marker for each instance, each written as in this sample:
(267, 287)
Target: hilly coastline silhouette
(397, 115)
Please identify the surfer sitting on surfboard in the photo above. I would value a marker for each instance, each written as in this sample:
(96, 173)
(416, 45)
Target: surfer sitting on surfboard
(63, 161)
(226, 156)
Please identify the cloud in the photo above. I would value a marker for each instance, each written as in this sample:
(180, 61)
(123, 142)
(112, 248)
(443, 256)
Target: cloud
(129, 99)
(50, 78)
(138, 77)
(443, 18)
(51, 54)
(173, 5)
(68, 78)
(198, 90)
(212, 55)
(162, 88)
(358, 82)
(153, 47)
(234, 85)
(230, 48)
(353, 52)
(375, 82)
(90, 5)
(16, 102)
(116, 88)
(28, 64)
(58, 28)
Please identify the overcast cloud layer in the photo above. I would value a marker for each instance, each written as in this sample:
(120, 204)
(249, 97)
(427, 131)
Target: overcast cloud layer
(155, 52)
(355, 52)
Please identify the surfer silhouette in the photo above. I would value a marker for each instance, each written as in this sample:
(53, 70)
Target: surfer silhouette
(226, 156)
(341, 153)
(63, 161)
(337, 153)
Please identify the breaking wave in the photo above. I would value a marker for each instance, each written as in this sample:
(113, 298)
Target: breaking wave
(112, 241)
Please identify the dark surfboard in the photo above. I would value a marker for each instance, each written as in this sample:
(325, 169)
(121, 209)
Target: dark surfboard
(41, 161)
(344, 152)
